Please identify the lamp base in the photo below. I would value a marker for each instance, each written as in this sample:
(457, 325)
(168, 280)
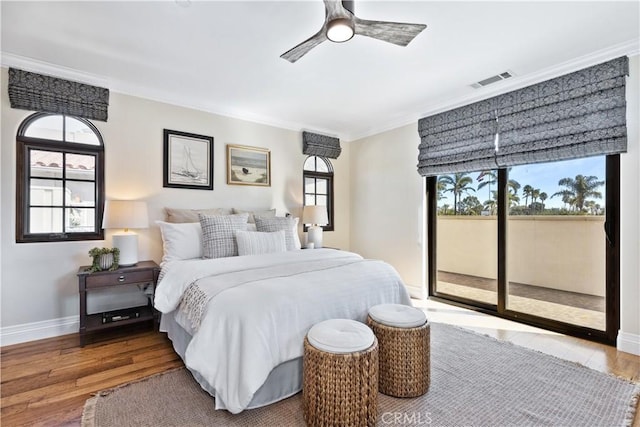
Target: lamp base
(314, 235)
(127, 243)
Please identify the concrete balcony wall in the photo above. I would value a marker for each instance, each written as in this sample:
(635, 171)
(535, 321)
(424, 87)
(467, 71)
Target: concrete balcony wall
(559, 252)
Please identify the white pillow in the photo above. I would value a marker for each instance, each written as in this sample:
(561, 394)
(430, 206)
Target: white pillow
(256, 243)
(181, 240)
(288, 224)
(296, 237)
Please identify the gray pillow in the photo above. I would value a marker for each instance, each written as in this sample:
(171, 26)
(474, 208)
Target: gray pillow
(278, 223)
(253, 214)
(219, 234)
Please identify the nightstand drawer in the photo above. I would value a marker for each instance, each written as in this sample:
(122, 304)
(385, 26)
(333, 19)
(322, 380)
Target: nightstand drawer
(119, 278)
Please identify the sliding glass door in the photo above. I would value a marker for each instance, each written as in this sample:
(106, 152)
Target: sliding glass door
(466, 214)
(541, 247)
(556, 243)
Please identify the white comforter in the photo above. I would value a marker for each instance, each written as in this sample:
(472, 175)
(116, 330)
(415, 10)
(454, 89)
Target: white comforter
(263, 307)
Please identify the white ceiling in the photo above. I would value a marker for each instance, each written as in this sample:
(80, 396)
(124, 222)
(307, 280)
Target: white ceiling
(223, 57)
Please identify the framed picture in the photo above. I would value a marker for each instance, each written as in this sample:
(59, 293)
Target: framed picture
(188, 160)
(248, 165)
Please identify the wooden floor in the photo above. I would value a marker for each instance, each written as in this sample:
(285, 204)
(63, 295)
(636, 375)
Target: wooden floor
(45, 383)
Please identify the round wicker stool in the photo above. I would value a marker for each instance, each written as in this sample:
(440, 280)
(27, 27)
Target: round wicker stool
(403, 334)
(340, 374)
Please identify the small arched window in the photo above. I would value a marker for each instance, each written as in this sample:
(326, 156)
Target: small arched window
(60, 179)
(318, 186)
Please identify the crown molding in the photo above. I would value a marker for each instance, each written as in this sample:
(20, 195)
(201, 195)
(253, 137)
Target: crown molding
(123, 87)
(41, 67)
(630, 48)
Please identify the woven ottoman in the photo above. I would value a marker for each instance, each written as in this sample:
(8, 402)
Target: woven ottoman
(403, 334)
(340, 374)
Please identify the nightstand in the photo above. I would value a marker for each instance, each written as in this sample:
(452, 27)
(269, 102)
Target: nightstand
(144, 273)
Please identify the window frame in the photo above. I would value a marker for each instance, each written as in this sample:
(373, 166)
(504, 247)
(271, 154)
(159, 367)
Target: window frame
(24, 144)
(612, 255)
(328, 176)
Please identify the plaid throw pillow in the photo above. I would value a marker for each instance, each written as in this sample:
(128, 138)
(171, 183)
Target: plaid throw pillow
(219, 234)
(278, 223)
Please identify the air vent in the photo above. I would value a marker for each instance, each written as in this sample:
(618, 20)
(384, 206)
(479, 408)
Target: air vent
(492, 79)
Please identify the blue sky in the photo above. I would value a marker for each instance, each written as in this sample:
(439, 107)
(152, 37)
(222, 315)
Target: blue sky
(544, 176)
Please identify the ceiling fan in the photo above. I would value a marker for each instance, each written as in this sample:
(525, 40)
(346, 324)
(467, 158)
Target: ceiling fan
(340, 25)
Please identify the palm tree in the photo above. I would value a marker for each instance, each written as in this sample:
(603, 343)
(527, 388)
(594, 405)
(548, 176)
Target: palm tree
(440, 187)
(526, 192)
(535, 193)
(543, 196)
(513, 187)
(578, 190)
(488, 177)
(491, 205)
(458, 184)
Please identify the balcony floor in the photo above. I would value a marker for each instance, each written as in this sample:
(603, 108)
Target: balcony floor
(569, 307)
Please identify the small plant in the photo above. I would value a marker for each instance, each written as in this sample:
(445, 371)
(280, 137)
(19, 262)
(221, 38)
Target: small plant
(98, 253)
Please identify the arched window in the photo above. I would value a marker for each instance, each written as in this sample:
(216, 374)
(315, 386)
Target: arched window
(318, 186)
(60, 179)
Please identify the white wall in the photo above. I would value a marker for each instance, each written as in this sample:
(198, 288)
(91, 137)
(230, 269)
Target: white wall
(543, 250)
(629, 338)
(387, 218)
(387, 195)
(38, 280)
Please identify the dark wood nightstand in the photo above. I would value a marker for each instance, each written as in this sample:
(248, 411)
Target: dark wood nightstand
(144, 273)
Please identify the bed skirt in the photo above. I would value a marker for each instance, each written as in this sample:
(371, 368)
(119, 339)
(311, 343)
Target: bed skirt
(284, 381)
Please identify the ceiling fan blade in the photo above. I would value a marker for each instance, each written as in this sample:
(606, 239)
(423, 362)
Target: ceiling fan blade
(335, 9)
(303, 48)
(397, 33)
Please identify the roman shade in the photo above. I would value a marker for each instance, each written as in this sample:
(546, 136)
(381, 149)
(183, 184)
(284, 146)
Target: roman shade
(314, 144)
(459, 140)
(577, 115)
(37, 92)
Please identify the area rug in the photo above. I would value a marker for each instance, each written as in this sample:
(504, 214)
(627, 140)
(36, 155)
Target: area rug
(475, 381)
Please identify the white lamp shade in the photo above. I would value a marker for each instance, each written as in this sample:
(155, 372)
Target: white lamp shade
(315, 215)
(125, 214)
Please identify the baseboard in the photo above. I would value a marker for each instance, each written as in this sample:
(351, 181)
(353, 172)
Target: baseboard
(629, 343)
(39, 330)
(417, 292)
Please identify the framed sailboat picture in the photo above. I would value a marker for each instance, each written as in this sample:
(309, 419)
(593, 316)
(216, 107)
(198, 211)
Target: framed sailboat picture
(248, 165)
(188, 160)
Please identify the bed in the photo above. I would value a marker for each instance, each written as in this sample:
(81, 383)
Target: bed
(239, 322)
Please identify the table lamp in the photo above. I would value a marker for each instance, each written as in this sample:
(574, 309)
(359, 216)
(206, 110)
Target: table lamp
(125, 214)
(316, 216)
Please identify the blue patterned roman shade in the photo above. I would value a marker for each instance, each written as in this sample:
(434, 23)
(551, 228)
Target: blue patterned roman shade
(36, 92)
(314, 144)
(577, 115)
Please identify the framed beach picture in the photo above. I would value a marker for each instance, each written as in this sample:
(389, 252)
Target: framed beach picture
(248, 165)
(188, 160)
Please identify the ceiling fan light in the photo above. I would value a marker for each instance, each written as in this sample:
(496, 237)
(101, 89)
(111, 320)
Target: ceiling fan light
(340, 30)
